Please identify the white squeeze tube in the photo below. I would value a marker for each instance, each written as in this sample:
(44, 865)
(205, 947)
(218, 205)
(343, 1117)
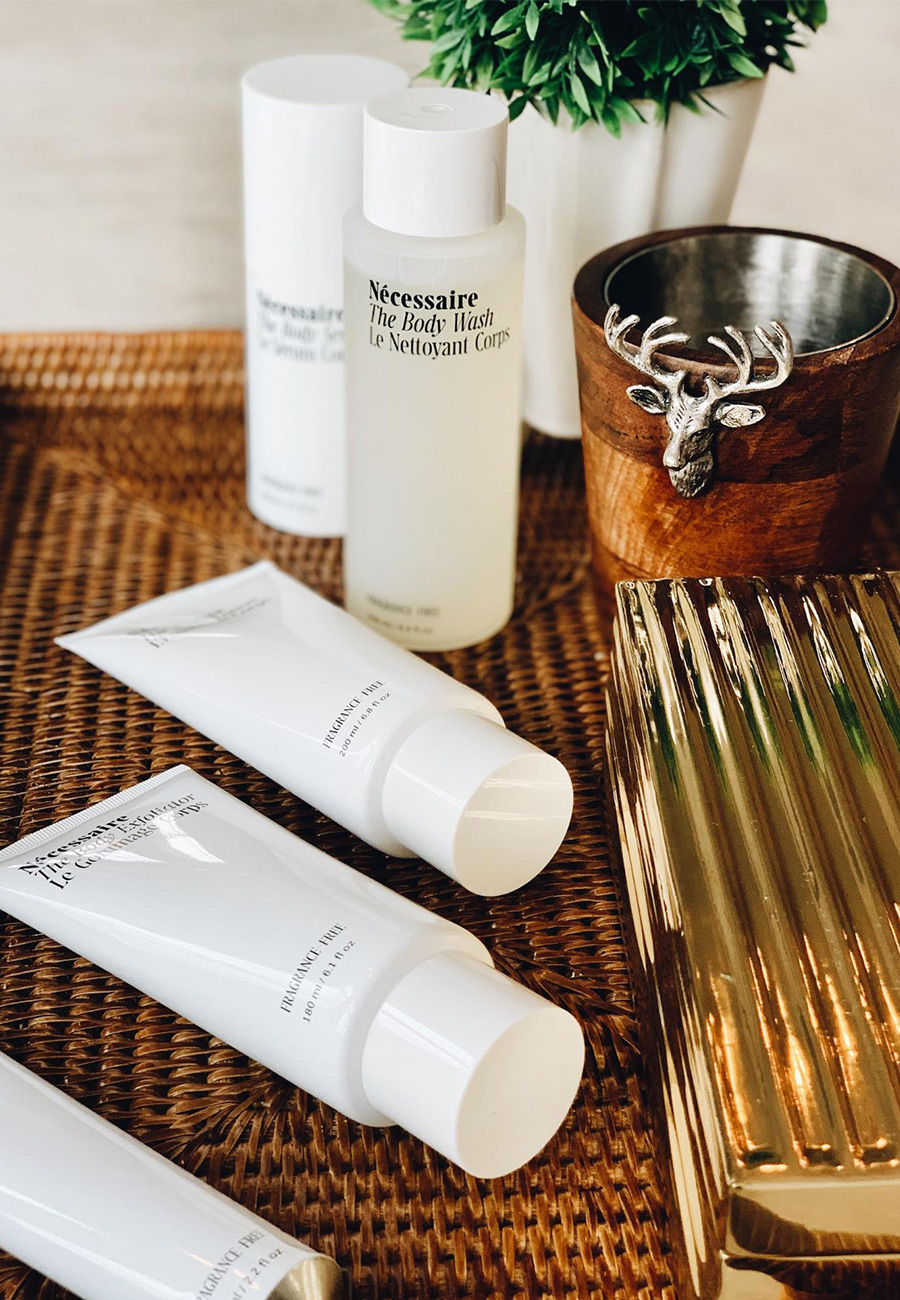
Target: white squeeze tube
(387, 745)
(109, 1219)
(366, 1000)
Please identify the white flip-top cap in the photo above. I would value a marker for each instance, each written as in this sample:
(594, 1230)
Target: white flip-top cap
(480, 803)
(303, 129)
(435, 162)
(477, 1066)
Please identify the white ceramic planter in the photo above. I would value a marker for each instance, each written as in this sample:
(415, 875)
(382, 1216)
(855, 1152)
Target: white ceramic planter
(581, 191)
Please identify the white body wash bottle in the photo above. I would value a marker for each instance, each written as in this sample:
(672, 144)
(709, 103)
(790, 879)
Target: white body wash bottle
(107, 1218)
(302, 125)
(433, 298)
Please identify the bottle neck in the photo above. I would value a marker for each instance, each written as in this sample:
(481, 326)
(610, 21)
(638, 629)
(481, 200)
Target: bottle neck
(413, 224)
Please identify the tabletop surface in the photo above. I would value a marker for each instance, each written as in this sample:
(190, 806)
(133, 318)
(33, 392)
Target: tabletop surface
(123, 479)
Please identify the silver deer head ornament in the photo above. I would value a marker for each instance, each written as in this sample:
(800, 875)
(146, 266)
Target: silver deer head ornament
(692, 417)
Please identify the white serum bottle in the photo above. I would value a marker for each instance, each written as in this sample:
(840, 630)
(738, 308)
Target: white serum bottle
(433, 301)
(302, 133)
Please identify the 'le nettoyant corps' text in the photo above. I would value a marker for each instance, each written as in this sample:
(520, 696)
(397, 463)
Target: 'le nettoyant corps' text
(413, 323)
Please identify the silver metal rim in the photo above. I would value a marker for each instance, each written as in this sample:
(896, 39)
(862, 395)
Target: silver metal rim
(808, 239)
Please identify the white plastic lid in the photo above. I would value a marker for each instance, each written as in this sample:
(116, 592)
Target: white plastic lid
(302, 128)
(477, 801)
(477, 1066)
(435, 162)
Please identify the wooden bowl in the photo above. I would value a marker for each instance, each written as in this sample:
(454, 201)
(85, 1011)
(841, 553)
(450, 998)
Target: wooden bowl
(790, 492)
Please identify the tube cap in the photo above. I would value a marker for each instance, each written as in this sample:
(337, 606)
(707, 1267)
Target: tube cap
(477, 1066)
(435, 161)
(478, 802)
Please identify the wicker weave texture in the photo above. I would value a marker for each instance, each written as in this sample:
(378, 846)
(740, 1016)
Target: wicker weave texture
(123, 478)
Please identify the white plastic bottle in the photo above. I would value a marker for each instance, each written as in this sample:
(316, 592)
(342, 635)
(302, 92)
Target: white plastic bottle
(109, 1219)
(302, 125)
(433, 300)
(383, 1010)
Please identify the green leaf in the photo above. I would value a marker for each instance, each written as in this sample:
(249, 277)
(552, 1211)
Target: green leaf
(447, 41)
(448, 67)
(532, 18)
(735, 20)
(528, 67)
(510, 19)
(611, 121)
(484, 70)
(817, 15)
(587, 60)
(579, 94)
(516, 106)
(713, 108)
(539, 76)
(742, 64)
(625, 109)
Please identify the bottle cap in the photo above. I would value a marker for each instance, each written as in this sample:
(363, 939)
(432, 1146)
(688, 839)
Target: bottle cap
(435, 161)
(476, 801)
(477, 1066)
(303, 127)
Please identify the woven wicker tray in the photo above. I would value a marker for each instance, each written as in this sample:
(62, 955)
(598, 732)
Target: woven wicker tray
(123, 478)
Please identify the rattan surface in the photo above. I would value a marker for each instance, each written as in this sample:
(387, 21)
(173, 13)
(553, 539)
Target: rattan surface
(123, 478)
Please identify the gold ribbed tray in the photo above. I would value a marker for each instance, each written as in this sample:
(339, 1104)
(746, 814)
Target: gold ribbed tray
(755, 756)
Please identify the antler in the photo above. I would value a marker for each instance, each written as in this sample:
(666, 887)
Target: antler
(642, 358)
(778, 344)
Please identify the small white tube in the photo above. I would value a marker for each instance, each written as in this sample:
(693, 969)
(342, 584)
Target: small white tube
(387, 745)
(383, 1010)
(109, 1219)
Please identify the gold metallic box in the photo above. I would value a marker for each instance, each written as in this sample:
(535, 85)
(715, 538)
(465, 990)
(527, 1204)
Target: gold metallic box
(754, 753)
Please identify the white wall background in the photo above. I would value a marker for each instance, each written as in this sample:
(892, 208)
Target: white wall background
(119, 147)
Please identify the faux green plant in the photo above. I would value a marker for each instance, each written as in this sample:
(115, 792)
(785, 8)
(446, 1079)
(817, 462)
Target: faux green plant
(594, 59)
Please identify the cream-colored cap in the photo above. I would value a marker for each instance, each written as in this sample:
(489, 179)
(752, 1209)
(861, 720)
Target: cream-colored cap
(477, 801)
(474, 1064)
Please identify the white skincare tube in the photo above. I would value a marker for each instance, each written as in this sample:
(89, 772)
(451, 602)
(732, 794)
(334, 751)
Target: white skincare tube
(302, 130)
(107, 1218)
(407, 758)
(381, 1009)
